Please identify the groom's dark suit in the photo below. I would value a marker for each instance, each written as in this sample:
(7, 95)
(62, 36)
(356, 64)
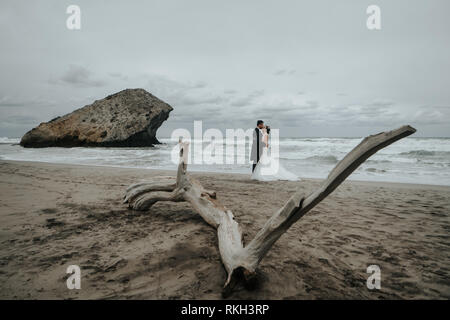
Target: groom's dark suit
(257, 147)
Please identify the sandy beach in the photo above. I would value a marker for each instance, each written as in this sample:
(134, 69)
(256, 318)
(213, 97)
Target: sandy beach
(55, 215)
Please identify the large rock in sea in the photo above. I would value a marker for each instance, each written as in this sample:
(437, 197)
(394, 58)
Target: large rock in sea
(128, 118)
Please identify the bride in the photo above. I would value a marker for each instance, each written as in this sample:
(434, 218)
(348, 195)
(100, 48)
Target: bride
(269, 168)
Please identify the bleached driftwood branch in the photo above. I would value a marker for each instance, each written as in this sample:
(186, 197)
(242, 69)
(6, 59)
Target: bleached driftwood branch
(241, 262)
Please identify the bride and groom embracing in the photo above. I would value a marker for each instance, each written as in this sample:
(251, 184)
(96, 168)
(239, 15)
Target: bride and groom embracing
(266, 167)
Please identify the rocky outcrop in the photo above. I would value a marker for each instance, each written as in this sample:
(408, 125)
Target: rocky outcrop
(128, 118)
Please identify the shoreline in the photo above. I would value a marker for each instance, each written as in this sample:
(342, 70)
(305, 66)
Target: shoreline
(406, 184)
(56, 215)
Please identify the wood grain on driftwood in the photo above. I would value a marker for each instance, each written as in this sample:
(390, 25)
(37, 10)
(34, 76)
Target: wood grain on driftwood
(241, 261)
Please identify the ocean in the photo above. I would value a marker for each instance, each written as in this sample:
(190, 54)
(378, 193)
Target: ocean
(410, 160)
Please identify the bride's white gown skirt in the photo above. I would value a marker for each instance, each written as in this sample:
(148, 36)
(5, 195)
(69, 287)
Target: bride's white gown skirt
(270, 169)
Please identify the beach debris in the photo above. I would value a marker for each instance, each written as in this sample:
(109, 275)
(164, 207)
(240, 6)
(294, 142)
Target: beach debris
(241, 261)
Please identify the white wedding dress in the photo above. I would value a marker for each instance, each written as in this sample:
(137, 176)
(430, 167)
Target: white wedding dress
(269, 168)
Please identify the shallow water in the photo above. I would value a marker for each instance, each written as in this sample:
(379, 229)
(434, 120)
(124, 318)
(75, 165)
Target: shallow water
(411, 160)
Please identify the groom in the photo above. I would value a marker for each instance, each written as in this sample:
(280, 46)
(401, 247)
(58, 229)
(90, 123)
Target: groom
(258, 145)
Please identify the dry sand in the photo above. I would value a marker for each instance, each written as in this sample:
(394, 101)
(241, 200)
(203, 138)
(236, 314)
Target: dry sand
(52, 216)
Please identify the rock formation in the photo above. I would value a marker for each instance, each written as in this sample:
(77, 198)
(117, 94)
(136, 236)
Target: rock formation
(128, 118)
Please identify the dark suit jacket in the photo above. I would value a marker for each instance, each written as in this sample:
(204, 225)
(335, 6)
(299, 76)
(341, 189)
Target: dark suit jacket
(253, 155)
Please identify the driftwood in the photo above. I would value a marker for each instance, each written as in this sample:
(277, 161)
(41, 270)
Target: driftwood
(241, 261)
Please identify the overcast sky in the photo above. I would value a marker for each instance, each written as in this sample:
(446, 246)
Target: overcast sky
(310, 68)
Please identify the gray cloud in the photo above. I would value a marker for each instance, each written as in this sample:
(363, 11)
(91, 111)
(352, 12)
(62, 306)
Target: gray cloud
(436, 115)
(23, 101)
(284, 72)
(248, 99)
(8, 104)
(20, 119)
(78, 76)
(183, 94)
(118, 75)
(298, 66)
